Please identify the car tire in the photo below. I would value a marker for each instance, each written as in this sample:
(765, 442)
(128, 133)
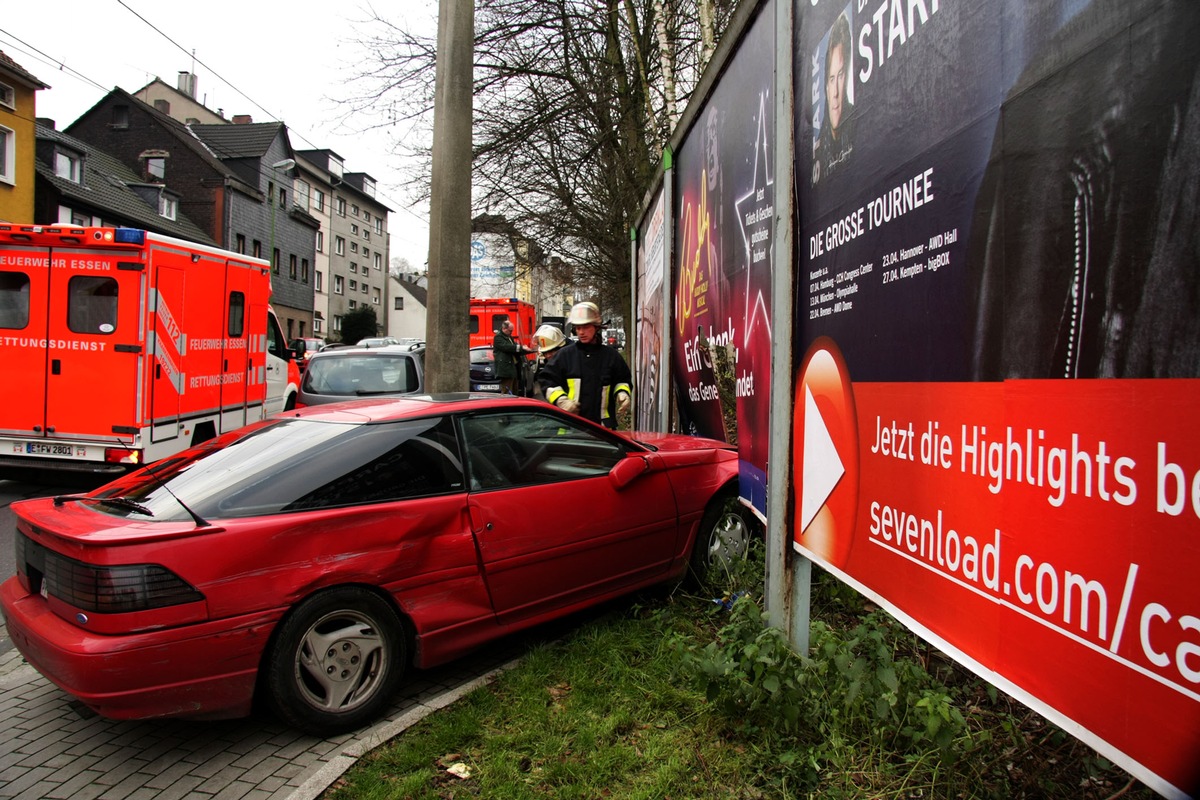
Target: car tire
(336, 662)
(290, 403)
(723, 538)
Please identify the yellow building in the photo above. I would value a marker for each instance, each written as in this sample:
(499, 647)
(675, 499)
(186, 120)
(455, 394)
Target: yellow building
(18, 115)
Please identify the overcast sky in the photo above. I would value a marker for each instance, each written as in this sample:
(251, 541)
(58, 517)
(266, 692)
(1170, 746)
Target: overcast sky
(269, 59)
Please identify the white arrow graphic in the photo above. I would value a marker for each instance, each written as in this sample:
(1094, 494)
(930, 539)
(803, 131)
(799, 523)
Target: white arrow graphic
(822, 467)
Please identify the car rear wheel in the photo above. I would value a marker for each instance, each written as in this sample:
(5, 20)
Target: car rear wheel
(723, 539)
(337, 661)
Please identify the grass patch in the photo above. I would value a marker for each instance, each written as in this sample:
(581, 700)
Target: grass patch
(680, 697)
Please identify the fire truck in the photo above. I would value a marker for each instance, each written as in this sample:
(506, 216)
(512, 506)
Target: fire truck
(487, 313)
(120, 347)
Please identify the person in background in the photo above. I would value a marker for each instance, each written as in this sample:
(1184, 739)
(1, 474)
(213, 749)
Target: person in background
(508, 354)
(587, 377)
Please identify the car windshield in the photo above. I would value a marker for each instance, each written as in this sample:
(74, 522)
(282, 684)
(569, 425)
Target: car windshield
(361, 375)
(296, 465)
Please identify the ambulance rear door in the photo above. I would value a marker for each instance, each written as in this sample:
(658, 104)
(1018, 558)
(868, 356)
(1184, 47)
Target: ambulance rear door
(95, 332)
(24, 292)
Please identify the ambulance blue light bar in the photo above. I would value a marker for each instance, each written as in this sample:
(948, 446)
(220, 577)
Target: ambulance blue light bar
(129, 236)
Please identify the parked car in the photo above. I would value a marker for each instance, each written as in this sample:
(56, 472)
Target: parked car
(311, 557)
(377, 341)
(303, 348)
(351, 372)
(483, 373)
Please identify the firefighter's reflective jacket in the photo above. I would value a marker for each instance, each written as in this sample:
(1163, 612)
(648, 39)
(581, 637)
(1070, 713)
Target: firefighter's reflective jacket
(592, 375)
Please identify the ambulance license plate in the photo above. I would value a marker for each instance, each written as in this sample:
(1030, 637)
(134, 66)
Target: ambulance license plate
(39, 449)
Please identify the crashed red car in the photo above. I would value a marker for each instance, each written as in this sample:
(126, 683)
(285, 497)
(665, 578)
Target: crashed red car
(313, 556)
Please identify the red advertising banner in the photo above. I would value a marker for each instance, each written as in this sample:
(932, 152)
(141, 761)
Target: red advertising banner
(1045, 532)
(998, 355)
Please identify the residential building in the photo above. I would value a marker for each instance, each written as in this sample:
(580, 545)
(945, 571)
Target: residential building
(179, 102)
(18, 112)
(358, 242)
(78, 184)
(317, 173)
(409, 303)
(233, 180)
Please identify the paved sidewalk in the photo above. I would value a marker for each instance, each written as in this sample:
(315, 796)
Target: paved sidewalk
(52, 747)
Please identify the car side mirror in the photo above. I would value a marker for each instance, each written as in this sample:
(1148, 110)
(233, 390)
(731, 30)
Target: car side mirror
(627, 470)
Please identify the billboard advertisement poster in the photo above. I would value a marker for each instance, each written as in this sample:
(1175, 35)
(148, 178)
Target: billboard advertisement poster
(651, 317)
(997, 339)
(721, 327)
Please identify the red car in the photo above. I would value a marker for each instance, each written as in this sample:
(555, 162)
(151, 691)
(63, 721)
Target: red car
(313, 556)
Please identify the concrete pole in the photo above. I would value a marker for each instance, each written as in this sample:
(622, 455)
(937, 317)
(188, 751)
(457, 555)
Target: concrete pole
(447, 364)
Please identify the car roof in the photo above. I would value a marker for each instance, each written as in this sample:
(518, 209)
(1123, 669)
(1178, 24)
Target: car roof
(388, 409)
(373, 352)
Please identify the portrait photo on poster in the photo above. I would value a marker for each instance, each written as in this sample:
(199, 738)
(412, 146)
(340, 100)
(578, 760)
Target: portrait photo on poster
(833, 98)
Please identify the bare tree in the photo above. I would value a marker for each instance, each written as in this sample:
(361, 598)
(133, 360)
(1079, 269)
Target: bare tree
(574, 103)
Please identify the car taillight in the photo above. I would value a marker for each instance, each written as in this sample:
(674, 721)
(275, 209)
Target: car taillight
(122, 455)
(101, 589)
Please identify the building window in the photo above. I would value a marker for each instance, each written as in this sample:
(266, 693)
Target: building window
(353, 266)
(364, 287)
(8, 157)
(354, 230)
(68, 165)
(167, 206)
(240, 246)
(378, 261)
(379, 225)
(354, 210)
(320, 200)
(354, 304)
(163, 105)
(257, 249)
(302, 192)
(304, 270)
(366, 234)
(316, 326)
(354, 247)
(398, 303)
(354, 286)
(319, 280)
(341, 206)
(8, 97)
(337, 322)
(275, 261)
(366, 270)
(320, 241)
(339, 245)
(120, 117)
(282, 197)
(375, 297)
(292, 266)
(337, 289)
(366, 252)
(367, 217)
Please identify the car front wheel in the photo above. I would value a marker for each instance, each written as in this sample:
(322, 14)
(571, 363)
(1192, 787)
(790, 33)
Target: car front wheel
(337, 662)
(723, 539)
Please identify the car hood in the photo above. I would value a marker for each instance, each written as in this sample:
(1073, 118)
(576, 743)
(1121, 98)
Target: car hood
(677, 442)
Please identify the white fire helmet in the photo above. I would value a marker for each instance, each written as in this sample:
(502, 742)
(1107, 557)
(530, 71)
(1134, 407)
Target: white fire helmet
(584, 314)
(548, 338)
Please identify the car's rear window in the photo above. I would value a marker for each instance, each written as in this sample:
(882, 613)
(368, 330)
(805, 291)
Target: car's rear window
(298, 465)
(362, 375)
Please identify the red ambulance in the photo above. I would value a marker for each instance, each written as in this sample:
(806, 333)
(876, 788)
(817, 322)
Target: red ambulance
(120, 347)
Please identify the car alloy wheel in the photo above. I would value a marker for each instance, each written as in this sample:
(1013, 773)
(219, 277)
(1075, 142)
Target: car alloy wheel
(724, 538)
(336, 662)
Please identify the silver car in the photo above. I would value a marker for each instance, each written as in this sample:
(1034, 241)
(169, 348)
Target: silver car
(351, 372)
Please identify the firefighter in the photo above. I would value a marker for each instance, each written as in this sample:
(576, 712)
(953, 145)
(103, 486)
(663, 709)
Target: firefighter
(587, 377)
(548, 339)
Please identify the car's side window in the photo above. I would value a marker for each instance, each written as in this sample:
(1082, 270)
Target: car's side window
(519, 449)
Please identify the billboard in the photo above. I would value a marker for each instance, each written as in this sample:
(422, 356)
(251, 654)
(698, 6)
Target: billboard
(724, 255)
(650, 291)
(997, 339)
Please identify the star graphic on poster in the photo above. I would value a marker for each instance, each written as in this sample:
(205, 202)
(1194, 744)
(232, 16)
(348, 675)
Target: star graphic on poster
(755, 214)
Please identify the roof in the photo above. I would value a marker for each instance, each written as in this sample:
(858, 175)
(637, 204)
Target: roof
(181, 133)
(24, 75)
(106, 187)
(250, 140)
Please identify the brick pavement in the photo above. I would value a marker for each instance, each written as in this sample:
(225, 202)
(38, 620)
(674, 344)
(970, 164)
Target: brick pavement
(52, 747)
